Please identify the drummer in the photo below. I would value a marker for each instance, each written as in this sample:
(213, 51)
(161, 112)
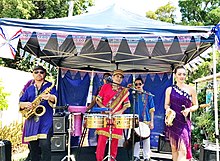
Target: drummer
(91, 133)
(144, 107)
(115, 97)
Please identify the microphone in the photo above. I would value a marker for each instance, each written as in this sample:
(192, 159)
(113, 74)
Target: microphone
(108, 79)
(141, 92)
(148, 93)
(183, 108)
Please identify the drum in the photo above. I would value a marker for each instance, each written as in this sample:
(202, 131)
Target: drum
(76, 124)
(143, 132)
(170, 116)
(125, 121)
(95, 120)
(77, 109)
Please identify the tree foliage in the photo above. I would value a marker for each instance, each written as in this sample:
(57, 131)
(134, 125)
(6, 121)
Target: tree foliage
(205, 68)
(200, 12)
(3, 100)
(164, 13)
(38, 9)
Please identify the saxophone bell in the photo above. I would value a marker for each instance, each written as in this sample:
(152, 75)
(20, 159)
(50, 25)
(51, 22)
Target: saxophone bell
(39, 110)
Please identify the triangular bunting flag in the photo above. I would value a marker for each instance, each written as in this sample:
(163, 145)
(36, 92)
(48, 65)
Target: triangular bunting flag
(150, 43)
(61, 38)
(187, 66)
(21, 53)
(95, 41)
(25, 36)
(132, 43)
(167, 42)
(169, 75)
(152, 76)
(50, 66)
(197, 40)
(114, 44)
(9, 37)
(79, 41)
(184, 42)
(43, 39)
(32, 58)
(25, 55)
(63, 72)
(37, 61)
(42, 62)
(160, 75)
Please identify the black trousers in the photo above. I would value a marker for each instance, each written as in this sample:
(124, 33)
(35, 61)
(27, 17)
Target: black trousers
(41, 144)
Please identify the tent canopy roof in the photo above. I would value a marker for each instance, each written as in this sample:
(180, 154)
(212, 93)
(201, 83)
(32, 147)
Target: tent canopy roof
(111, 38)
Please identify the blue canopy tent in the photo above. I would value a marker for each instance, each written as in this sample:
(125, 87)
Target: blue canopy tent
(110, 39)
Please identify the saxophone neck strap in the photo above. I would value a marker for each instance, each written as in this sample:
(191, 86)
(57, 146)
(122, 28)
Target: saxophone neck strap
(38, 91)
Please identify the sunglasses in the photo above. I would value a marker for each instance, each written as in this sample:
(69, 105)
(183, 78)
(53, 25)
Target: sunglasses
(36, 72)
(138, 84)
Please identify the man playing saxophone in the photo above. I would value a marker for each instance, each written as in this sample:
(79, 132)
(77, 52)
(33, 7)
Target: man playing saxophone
(38, 128)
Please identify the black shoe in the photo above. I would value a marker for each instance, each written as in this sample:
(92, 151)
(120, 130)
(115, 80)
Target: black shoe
(147, 159)
(136, 159)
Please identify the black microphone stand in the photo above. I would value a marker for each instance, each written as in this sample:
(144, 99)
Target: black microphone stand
(109, 80)
(134, 93)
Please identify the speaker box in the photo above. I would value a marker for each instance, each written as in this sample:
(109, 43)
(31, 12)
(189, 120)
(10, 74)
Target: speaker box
(58, 143)
(207, 153)
(5, 150)
(163, 145)
(59, 124)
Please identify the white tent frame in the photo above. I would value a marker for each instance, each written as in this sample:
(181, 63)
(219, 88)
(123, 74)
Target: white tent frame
(215, 99)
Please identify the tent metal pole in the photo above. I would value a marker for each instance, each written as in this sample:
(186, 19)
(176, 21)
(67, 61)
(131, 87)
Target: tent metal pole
(89, 98)
(215, 100)
(70, 11)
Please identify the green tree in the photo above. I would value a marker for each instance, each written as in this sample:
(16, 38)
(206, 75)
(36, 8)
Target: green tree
(205, 68)
(17, 9)
(164, 13)
(200, 12)
(3, 96)
(37, 9)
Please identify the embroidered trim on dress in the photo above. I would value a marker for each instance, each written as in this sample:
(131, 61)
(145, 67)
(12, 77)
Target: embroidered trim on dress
(182, 92)
(101, 132)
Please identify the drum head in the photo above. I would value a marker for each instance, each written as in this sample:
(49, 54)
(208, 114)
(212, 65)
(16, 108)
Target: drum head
(143, 130)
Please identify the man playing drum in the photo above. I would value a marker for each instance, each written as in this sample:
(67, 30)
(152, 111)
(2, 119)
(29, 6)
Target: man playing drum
(115, 97)
(144, 107)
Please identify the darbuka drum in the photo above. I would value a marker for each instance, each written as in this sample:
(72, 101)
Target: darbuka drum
(95, 120)
(170, 116)
(125, 121)
(143, 131)
(76, 128)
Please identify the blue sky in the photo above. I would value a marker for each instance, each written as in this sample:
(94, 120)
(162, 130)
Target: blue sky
(137, 6)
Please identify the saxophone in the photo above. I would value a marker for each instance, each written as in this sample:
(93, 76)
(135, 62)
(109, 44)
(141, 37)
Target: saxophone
(37, 109)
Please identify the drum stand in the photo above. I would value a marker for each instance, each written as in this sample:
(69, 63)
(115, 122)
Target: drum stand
(69, 156)
(81, 142)
(109, 157)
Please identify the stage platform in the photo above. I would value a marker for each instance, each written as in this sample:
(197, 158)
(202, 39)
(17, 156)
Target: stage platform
(88, 154)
